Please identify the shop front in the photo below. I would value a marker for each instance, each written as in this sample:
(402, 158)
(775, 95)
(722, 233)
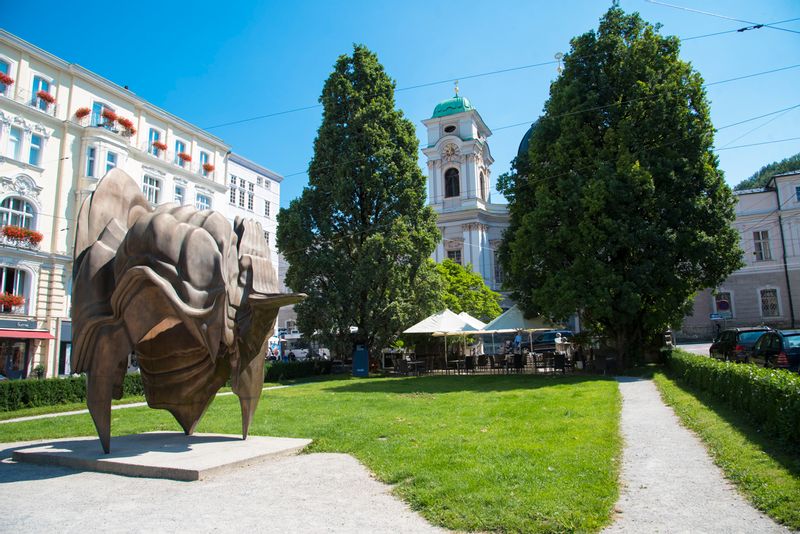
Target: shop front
(17, 346)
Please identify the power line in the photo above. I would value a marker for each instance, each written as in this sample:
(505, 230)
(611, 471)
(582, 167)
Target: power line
(755, 25)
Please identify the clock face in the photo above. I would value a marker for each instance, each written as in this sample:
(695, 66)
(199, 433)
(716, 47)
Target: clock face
(450, 150)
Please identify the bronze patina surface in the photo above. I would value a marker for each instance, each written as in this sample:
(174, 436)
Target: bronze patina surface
(195, 299)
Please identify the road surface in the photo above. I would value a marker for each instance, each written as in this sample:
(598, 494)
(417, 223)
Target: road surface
(696, 348)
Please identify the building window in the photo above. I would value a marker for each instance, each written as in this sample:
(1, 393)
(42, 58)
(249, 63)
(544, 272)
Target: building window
(203, 202)
(241, 195)
(482, 193)
(35, 156)
(97, 115)
(111, 160)
(203, 161)
(454, 255)
(723, 304)
(14, 142)
(40, 84)
(180, 148)
(498, 269)
(761, 246)
(259, 181)
(13, 281)
(797, 193)
(233, 190)
(16, 211)
(769, 303)
(266, 208)
(451, 183)
(153, 137)
(266, 237)
(91, 153)
(180, 194)
(4, 68)
(250, 194)
(151, 187)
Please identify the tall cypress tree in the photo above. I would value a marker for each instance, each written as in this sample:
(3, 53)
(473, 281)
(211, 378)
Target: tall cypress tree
(358, 238)
(618, 209)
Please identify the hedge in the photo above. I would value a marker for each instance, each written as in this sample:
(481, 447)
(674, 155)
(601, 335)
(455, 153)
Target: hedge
(30, 393)
(771, 397)
(274, 371)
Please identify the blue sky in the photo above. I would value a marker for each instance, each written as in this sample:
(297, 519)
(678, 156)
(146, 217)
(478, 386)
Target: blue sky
(214, 63)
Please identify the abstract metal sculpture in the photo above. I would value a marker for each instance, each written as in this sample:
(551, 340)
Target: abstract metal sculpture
(194, 298)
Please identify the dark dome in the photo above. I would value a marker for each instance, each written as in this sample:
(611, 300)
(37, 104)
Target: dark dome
(526, 140)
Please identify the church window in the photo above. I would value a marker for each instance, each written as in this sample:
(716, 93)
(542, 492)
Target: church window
(449, 129)
(451, 183)
(454, 255)
(482, 193)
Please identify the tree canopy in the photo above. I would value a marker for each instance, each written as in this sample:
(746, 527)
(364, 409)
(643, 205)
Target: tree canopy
(618, 209)
(465, 291)
(762, 176)
(358, 238)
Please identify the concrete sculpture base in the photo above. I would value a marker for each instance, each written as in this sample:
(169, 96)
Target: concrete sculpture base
(170, 455)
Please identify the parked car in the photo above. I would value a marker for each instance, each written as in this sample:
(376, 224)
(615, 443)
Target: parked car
(736, 344)
(544, 341)
(779, 349)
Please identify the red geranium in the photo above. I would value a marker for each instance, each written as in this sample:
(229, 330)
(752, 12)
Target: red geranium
(109, 115)
(183, 156)
(125, 123)
(82, 112)
(14, 232)
(47, 97)
(208, 167)
(159, 145)
(5, 79)
(33, 236)
(7, 299)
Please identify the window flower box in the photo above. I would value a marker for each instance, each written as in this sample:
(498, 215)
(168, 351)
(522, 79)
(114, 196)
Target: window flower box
(208, 167)
(9, 300)
(159, 145)
(45, 96)
(183, 156)
(20, 234)
(5, 79)
(127, 124)
(82, 113)
(109, 115)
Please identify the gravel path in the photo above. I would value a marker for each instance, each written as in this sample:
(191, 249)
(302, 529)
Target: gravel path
(669, 483)
(305, 493)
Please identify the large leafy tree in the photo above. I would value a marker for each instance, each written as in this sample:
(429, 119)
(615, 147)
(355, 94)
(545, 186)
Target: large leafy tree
(358, 238)
(618, 208)
(465, 291)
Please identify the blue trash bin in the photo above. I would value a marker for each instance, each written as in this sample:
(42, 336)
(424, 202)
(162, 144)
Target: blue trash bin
(360, 361)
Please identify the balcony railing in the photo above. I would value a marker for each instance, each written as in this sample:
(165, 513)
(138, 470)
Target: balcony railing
(30, 99)
(12, 310)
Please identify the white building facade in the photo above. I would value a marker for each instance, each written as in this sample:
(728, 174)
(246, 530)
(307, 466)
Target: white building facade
(254, 193)
(62, 128)
(459, 170)
(767, 289)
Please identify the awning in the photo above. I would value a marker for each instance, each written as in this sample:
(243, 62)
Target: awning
(26, 334)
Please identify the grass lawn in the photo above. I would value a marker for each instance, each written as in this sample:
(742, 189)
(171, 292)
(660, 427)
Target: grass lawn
(490, 453)
(766, 471)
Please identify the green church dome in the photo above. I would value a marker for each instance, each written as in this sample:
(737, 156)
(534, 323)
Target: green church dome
(451, 106)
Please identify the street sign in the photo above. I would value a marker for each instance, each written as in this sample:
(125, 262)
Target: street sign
(715, 317)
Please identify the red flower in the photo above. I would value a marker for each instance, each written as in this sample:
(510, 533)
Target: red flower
(208, 167)
(33, 236)
(183, 156)
(82, 112)
(47, 97)
(7, 299)
(14, 232)
(5, 79)
(125, 123)
(159, 145)
(109, 115)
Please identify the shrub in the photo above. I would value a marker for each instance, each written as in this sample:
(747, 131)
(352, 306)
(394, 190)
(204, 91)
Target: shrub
(274, 371)
(18, 394)
(771, 397)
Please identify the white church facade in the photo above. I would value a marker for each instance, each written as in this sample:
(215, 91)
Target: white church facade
(459, 170)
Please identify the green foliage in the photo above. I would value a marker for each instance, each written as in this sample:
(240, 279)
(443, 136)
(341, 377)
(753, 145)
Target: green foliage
(465, 291)
(770, 397)
(18, 394)
(276, 371)
(760, 178)
(359, 237)
(618, 209)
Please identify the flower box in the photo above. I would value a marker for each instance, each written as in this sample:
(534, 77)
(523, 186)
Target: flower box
(125, 123)
(47, 97)
(81, 113)
(22, 234)
(183, 156)
(109, 115)
(159, 145)
(5, 79)
(8, 300)
(208, 167)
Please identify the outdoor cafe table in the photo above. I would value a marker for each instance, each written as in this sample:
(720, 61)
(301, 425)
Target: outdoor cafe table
(414, 366)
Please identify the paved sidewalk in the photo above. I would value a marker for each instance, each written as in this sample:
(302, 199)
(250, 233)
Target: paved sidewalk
(669, 483)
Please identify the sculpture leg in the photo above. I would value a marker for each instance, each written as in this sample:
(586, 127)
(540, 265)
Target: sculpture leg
(248, 389)
(104, 379)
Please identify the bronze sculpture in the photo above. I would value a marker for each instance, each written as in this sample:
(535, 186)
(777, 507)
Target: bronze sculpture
(194, 298)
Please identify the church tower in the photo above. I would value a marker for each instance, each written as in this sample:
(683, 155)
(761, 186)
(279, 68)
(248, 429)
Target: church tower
(459, 170)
